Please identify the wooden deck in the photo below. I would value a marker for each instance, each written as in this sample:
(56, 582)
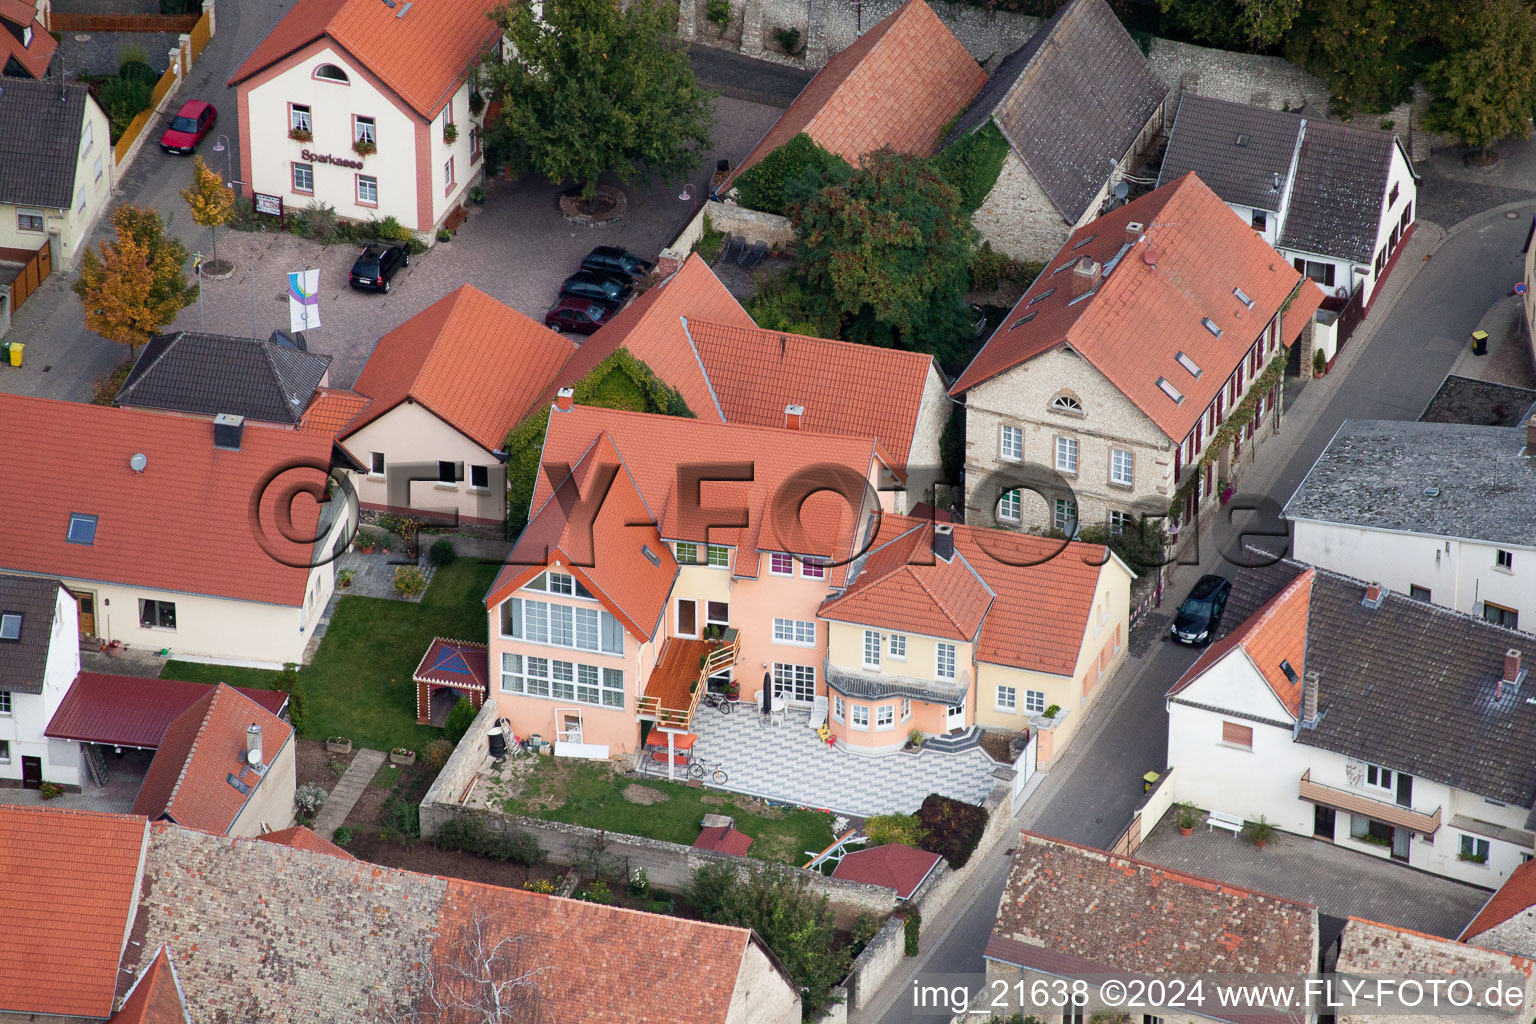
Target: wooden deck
(676, 670)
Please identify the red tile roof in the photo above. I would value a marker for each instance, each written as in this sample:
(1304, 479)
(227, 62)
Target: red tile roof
(331, 409)
(893, 865)
(458, 663)
(652, 329)
(188, 781)
(606, 551)
(184, 524)
(476, 363)
(903, 584)
(653, 446)
(34, 58)
(898, 85)
(1150, 307)
(863, 390)
(70, 882)
(619, 949)
(723, 839)
(1515, 896)
(129, 711)
(423, 55)
(155, 997)
(1276, 632)
(301, 838)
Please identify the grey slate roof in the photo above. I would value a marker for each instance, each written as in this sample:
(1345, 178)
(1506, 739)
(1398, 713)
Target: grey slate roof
(1333, 204)
(1378, 474)
(856, 684)
(1069, 101)
(215, 373)
(1237, 150)
(40, 126)
(22, 663)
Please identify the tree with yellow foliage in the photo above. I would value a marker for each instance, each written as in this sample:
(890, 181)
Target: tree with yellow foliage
(134, 286)
(210, 199)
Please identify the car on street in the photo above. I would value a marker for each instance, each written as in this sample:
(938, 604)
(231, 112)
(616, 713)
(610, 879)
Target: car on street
(376, 265)
(597, 286)
(194, 120)
(578, 315)
(1199, 616)
(610, 259)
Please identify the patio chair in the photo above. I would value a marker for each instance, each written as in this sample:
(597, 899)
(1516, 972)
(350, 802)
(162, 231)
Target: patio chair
(819, 713)
(780, 705)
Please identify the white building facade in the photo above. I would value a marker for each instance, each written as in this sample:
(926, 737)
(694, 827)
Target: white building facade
(27, 756)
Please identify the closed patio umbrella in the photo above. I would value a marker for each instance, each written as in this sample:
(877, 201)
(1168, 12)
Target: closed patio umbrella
(767, 693)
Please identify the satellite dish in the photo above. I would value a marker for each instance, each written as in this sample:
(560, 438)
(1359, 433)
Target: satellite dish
(138, 462)
(253, 758)
(1122, 189)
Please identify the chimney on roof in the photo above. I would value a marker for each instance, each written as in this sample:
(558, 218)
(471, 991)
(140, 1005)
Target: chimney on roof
(563, 399)
(253, 745)
(227, 431)
(1375, 593)
(1309, 686)
(1085, 275)
(1513, 673)
(944, 541)
(1134, 232)
(793, 414)
(1530, 436)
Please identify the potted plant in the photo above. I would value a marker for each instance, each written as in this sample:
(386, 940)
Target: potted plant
(1319, 363)
(400, 755)
(1188, 816)
(450, 133)
(1052, 711)
(301, 135)
(345, 577)
(733, 690)
(364, 541)
(477, 196)
(364, 147)
(1259, 832)
(338, 745)
(916, 739)
(476, 102)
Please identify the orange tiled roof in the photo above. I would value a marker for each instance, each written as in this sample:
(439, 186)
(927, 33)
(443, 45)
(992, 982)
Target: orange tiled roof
(331, 409)
(606, 551)
(1515, 896)
(476, 363)
(188, 781)
(898, 85)
(654, 446)
(844, 388)
(1276, 632)
(70, 879)
(181, 525)
(423, 54)
(1150, 306)
(903, 584)
(35, 58)
(301, 838)
(652, 329)
(155, 997)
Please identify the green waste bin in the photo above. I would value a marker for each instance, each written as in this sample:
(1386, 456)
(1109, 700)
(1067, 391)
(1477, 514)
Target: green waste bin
(5, 351)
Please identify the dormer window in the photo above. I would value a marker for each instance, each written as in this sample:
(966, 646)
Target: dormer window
(1067, 404)
(10, 627)
(82, 529)
(332, 73)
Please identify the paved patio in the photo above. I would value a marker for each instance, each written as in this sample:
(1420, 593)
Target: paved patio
(788, 764)
(1339, 882)
(124, 776)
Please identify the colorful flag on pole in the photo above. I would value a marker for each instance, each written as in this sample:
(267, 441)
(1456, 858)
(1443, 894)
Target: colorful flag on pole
(304, 300)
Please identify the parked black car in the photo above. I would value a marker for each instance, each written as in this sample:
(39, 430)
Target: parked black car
(376, 265)
(597, 286)
(609, 259)
(1199, 616)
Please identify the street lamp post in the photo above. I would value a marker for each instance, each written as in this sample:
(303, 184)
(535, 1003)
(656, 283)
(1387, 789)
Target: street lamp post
(221, 145)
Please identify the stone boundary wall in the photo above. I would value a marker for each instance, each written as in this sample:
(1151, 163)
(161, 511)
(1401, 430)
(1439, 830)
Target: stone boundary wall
(732, 219)
(464, 763)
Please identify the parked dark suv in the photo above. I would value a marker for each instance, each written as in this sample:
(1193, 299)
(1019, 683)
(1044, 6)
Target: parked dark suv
(376, 264)
(1199, 616)
(610, 259)
(597, 286)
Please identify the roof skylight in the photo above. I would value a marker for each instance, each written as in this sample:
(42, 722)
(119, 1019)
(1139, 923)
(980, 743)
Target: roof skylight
(1189, 364)
(1171, 391)
(1210, 325)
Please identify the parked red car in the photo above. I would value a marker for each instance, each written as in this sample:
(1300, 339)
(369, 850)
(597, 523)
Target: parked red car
(578, 315)
(193, 121)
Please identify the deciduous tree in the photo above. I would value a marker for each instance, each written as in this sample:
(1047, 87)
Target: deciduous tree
(596, 87)
(1485, 88)
(1233, 24)
(1369, 51)
(134, 286)
(210, 200)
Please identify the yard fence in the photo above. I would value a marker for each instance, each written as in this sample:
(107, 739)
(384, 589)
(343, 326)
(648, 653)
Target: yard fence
(1146, 816)
(62, 21)
(36, 266)
(195, 33)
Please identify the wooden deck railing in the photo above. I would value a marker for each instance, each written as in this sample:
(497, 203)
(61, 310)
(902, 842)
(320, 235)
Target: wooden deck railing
(1358, 803)
(718, 658)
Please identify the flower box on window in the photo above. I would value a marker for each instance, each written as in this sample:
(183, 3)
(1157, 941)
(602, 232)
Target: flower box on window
(364, 147)
(450, 133)
(301, 135)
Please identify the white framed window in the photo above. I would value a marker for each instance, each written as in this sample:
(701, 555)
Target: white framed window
(799, 632)
(1011, 446)
(717, 556)
(687, 553)
(97, 170)
(1504, 560)
(10, 626)
(871, 648)
(1119, 521)
(1007, 699)
(5, 702)
(781, 563)
(1008, 507)
(898, 647)
(796, 682)
(376, 464)
(331, 73)
(29, 220)
(839, 709)
(813, 567)
(364, 130)
(80, 202)
(303, 178)
(1378, 778)
(906, 709)
(448, 172)
(1474, 848)
(157, 614)
(511, 673)
(560, 583)
(885, 717)
(944, 660)
(1066, 403)
(562, 680)
(860, 719)
(368, 189)
(717, 613)
(561, 625)
(1064, 517)
(1066, 455)
(87, 137)
(480, 478)
(299, 119)
(1122, 467)
(1034, 701)
(5, 751)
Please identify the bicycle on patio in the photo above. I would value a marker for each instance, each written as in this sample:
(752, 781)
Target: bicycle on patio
(700, 768)
(718, 700)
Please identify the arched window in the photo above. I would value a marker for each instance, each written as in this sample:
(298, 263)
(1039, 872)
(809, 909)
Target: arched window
(331, 73)
(1067, 403)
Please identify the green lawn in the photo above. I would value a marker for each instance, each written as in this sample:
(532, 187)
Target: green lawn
(589, 793)
(359, 685)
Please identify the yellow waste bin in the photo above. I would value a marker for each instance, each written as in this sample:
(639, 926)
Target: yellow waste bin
(16, 348)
